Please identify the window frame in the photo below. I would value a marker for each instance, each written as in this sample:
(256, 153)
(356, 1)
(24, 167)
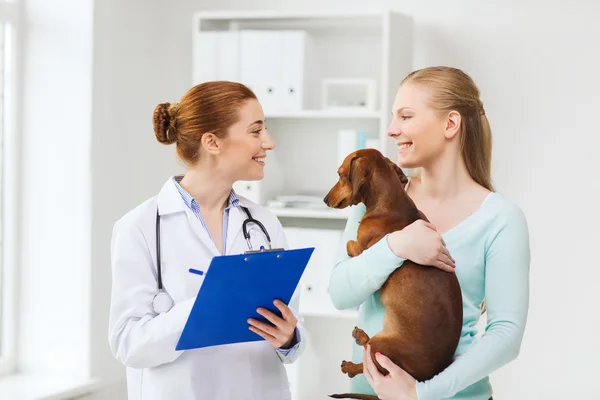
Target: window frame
(10, 147)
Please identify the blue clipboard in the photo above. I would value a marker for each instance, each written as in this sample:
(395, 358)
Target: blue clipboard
(233, 288)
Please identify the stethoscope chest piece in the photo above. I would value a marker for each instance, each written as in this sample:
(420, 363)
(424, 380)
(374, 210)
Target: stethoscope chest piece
(162, 302)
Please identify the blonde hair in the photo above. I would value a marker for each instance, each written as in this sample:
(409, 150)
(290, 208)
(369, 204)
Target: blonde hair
(453, 90)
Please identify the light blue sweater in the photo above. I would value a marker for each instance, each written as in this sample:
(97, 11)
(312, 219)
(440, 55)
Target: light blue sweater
(491, 250)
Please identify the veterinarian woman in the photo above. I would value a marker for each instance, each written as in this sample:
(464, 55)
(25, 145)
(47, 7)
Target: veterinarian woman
(440, 127)
(220, 133)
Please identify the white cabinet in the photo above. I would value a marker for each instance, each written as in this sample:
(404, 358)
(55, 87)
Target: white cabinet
(287, 58)
(314, 285)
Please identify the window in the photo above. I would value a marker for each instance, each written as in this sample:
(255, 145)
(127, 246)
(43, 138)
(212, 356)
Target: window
(2, 73)
(8, 13)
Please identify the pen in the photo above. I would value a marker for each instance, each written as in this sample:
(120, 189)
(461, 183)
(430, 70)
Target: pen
(196, 271)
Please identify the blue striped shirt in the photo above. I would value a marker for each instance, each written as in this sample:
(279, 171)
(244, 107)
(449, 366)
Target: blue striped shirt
(193, 205)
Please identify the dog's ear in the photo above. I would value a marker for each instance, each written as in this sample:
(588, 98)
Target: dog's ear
(356, 177)
(399, 172)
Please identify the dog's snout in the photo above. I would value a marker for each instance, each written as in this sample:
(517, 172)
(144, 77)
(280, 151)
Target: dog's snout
(325, 199)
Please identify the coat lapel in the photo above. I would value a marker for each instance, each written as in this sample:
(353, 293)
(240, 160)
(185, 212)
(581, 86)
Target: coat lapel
(201, 232)
(237, 216)
(170, 202)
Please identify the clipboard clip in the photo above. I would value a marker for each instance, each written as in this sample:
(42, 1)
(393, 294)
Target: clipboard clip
(263, 250)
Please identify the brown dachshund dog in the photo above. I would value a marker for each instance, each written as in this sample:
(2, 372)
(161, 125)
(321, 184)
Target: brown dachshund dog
(423, 304)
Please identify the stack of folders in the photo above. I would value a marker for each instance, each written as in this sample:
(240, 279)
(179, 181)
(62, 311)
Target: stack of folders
(273, 63)
(298, 201)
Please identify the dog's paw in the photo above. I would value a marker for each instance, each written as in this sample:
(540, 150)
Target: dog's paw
(349, 368)
(360, 336)
(353, 248)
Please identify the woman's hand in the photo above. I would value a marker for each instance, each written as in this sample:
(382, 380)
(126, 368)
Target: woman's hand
(421, 243)
(282, 334)
(397, 385)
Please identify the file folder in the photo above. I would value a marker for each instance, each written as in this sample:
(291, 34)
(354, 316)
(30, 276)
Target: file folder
(234, 287)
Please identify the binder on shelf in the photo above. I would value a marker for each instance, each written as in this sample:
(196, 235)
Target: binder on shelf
(273, 63)
(216, 56)
(249, 190)
(295, 69)
(260, 65)
(205, 49)
(347, 143)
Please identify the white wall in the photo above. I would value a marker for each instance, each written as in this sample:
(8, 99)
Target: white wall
(129, 80)
(55, 235)
(86, 111)
(537, 68)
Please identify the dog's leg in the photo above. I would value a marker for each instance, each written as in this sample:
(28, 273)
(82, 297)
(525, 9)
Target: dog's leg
(378, 344)
(390, 347)
(361, 339)
(353, 248)
(351, 369)
(360, 336)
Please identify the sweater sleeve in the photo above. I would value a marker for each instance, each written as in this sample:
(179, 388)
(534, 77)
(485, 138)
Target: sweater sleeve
(507, 301)
(354, 279)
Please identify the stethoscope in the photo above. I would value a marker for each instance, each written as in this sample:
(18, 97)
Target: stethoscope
(162, 302)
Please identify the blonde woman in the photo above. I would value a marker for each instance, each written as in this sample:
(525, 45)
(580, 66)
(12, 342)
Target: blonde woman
(440, 127)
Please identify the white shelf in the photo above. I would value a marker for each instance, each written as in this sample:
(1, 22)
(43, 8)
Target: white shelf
(283, 14)
(326, 114)
(310, 213)
(309, 146)
(370, 19)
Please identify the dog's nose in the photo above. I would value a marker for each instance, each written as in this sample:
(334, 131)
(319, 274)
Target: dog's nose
(325, 199)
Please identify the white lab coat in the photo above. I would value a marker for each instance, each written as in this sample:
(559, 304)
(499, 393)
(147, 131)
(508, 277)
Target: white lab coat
(145, 342)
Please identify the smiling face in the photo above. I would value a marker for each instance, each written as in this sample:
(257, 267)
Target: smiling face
(418, 129)
(246, 144)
